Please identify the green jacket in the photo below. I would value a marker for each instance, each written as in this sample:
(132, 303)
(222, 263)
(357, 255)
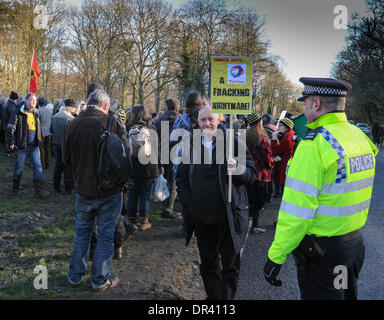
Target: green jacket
(328, 185)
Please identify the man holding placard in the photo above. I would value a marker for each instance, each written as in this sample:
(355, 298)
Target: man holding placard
(220, 227)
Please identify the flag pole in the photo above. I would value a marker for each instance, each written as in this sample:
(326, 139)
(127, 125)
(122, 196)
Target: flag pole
(30, 69)
(33, 53)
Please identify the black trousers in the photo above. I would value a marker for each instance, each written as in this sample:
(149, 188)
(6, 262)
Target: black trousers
(257, 196)
(333, 276)
(2, 136)
(45, 151)
(220, 264)
(59, 169)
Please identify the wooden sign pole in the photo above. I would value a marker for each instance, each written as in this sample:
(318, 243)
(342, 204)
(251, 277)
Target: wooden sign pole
(230, 152)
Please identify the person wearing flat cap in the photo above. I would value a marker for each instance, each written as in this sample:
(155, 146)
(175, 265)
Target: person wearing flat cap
(282, 146)
(326, 198)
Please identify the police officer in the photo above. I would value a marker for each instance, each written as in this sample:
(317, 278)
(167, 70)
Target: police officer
(326, 198)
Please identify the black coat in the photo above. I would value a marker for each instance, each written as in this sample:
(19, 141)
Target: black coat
(80, 149)
(169, 116)
(17, 132)
(7, 108)
(237, 210)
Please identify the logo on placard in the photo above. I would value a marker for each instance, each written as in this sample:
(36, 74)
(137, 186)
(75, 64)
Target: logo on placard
(237, 74)
(237, 71)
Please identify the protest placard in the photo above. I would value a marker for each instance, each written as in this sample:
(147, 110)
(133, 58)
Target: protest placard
(231, 85)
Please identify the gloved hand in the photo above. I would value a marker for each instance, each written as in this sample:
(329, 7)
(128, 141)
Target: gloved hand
(271, 271)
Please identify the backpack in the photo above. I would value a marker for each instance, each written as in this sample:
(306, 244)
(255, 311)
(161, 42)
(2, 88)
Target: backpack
(114, 166)
(139, 137)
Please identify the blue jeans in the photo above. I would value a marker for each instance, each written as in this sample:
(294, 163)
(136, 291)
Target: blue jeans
(139, 194)
(107, 211)
(34, 154)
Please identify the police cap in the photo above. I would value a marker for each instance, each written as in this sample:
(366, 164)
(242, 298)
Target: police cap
(324, 87)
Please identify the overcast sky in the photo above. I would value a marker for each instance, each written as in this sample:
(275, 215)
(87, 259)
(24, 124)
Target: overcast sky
(302, 32)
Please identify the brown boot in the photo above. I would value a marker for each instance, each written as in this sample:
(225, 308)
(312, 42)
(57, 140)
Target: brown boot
(15, 187)
(145, 225)
(118, 253)
(38, 187)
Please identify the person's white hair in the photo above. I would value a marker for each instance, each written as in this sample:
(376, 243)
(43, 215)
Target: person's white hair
(99, 98)
(207, 108)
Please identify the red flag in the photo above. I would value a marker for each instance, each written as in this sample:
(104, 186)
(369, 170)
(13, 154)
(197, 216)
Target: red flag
(35, 74)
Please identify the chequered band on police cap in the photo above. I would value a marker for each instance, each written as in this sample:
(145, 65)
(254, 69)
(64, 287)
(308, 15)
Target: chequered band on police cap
(324, 91)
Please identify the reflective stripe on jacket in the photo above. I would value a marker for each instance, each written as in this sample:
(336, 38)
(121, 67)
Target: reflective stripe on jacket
(328, 185)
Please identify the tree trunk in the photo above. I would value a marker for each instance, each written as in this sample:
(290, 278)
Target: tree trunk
(158, 90)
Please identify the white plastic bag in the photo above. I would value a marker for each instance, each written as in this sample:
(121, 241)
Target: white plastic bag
(161, 189)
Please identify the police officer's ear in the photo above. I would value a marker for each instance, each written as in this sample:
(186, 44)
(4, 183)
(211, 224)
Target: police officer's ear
(317, 105)
(317, 102)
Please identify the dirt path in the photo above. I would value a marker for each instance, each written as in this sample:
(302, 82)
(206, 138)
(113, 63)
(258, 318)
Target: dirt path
(156, 266)
(156, 263)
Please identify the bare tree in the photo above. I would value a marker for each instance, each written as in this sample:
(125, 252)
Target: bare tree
(19, 37)
(208, 19)
(94, 38)
(146, 40)
(361, 63)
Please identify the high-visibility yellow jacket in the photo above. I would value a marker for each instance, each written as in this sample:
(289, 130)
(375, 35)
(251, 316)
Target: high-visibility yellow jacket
(328, 186)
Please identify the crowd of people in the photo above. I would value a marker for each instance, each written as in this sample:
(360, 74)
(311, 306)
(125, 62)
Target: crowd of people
(32, 127)
(218, 197)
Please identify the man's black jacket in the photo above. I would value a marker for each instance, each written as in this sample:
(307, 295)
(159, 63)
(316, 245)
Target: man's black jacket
(17, 131)
(237, 210)
(80, 147)
(7, 109)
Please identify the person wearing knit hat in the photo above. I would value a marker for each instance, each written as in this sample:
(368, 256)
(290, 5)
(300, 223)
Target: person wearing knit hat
(122, 116)
(288, 123)
(253, 119)
(261, 152)
(282, 148)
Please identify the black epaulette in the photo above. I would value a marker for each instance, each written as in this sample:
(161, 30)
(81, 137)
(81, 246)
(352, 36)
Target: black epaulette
(311, 135)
